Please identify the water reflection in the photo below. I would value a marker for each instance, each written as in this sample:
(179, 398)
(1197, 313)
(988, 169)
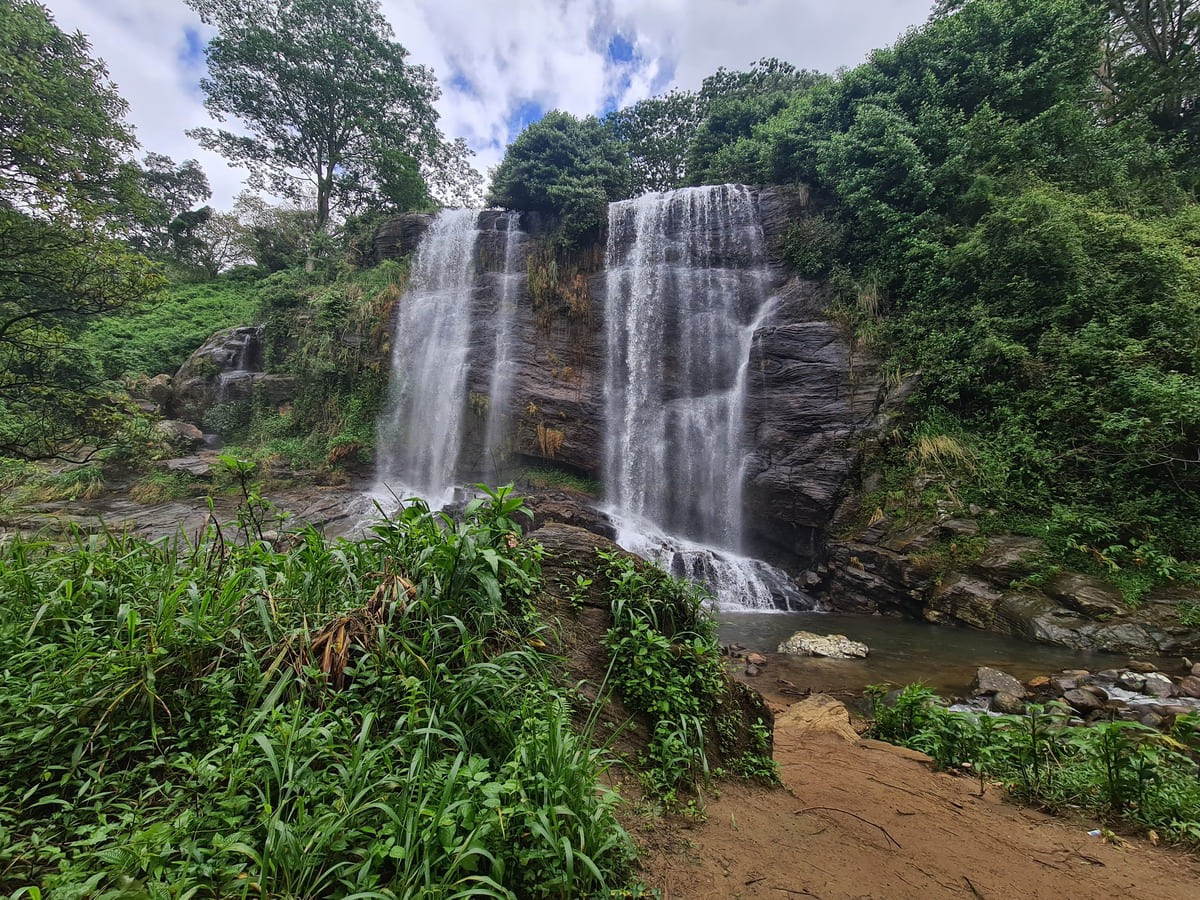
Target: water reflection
(902, 651)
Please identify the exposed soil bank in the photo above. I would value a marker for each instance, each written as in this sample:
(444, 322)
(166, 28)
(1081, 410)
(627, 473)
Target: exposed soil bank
(861, 819)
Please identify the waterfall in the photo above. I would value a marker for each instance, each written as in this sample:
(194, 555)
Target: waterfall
(687, 287)
(421, 430)
(503, 359)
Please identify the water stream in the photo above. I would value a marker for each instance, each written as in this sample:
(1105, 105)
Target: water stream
(687, 281)
(420, 434)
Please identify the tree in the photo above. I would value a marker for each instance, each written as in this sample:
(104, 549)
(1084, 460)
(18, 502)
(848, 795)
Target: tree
(329, 102)
(62, 134)
(568, 167)
(656, 133)
(165, 211)
(64, 187)
(1152, 61)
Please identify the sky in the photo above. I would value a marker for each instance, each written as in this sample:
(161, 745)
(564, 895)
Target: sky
(501, 65)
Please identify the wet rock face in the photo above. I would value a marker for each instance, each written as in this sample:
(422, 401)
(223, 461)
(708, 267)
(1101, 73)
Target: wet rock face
(811, 397)
(226, 368)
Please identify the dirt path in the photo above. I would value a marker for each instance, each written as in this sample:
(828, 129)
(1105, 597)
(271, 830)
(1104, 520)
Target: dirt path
(860, 819)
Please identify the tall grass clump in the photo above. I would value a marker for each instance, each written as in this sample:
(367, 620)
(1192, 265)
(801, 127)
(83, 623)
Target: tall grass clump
(1119, 771)
(366, 718)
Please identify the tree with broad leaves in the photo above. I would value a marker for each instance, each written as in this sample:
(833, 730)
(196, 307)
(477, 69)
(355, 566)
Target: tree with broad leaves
(66, 187)
(329, 104)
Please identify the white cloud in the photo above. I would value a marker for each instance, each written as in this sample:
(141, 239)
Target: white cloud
(498, 63)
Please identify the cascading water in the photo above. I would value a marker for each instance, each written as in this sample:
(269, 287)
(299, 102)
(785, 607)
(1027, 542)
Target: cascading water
(503, 359)
(687, 278)
(420, 433)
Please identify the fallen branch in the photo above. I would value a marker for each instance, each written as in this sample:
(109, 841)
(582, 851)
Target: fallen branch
(854, 816)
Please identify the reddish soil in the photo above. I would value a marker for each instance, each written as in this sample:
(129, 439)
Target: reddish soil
(861, 819)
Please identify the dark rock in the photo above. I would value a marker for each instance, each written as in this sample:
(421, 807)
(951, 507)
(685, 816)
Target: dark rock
(1007, 558)
(952, 528)
(1087, 594)
(752, 670)
(1109, 675)
(1083, 701)
(1096, 691)
(914, 538)
(1009, 704)
(178, 432)
(218, 371)
(196, 466)
(1060, 684)
(1132, 681)
(1152, 720)
(992, 681)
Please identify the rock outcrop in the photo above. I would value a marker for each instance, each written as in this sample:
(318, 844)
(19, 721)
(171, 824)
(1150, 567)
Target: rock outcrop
(227, 368)
(812, 395)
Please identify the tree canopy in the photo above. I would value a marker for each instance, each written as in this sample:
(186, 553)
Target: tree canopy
(566, 166)
(330, 106)
(65, 190)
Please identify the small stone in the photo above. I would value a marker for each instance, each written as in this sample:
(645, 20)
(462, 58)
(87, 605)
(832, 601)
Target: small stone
(1078, 673)
(1083, 701)
(1189, 686)
(1004, 702)
(1040, 683)
(1152, 720)
(992, 681)
(1159, 685)
(752, 670)
(1098, 692)
(1140, 665)
(756, 659)
(975, 509)
(1060, 684)
(1109, 674)
(1132, 681)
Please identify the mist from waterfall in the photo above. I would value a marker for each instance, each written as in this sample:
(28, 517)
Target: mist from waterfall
(687, 287)
(421, 429)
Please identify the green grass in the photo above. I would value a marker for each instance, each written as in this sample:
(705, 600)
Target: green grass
(337, 719)
(159, 337)
(1118, 771)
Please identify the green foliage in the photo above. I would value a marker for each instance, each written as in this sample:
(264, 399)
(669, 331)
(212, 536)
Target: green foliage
(287, 71)
(159, 337)
(1119, 770)
(666, 663)
(568, 167)
(204, 743)
(64, 190)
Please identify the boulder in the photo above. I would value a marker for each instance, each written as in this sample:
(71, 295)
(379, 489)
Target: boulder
(1086, 594)
(993, 681)
(1159, 685)
(178, 432)
(1141, 665)
(196, 466)
(1189, 686)
(1006, 703)
(1083, 701)
(158, 390)
(830, 646)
